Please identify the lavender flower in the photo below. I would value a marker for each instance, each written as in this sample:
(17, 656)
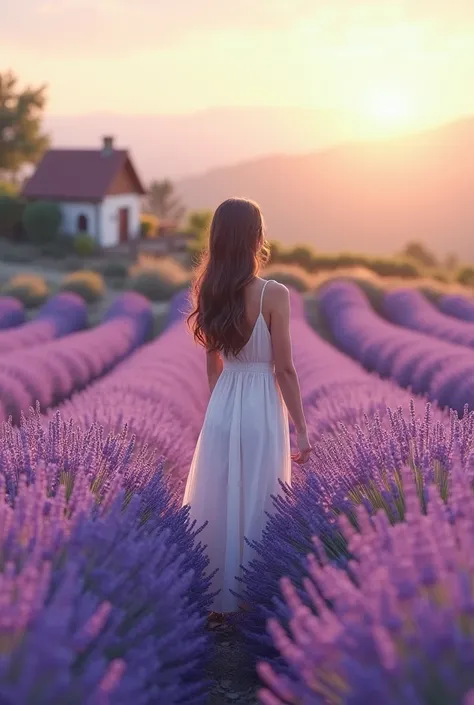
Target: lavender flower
(411, 309)
(179, 308)
(437, 369)
(458, 306)
(121, 583)
(364, 431)
(61, 315)
(86, 505)
(395, 626)
(161, 394)
(51, 372)
(12, 312)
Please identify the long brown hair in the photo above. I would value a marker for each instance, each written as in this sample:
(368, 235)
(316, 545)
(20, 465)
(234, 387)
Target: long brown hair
(236, 251)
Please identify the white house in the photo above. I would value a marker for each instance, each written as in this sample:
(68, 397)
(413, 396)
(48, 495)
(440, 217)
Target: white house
(98, 190)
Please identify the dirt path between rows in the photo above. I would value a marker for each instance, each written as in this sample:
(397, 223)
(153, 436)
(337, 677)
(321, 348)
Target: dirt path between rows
(234, 679)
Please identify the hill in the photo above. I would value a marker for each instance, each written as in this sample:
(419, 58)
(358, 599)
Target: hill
(363, 196)
(179, 145)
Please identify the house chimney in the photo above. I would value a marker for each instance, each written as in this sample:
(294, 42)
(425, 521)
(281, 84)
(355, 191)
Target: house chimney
(107, 145)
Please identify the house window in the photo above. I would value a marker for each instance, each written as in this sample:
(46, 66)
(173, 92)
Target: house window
(82, 223)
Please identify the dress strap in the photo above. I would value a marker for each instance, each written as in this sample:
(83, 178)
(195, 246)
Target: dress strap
(261, 296)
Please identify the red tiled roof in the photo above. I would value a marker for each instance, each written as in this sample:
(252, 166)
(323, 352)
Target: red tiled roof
(78, 174)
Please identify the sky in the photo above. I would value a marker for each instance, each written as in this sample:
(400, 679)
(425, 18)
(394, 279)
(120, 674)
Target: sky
(400, 65)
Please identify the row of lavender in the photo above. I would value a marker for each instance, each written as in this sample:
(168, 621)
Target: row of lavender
(101, 563)
(160, 394)
(363, 610)
(12, 312)
(50, 372)
(441, 370)
(61, 315)
(409, 308)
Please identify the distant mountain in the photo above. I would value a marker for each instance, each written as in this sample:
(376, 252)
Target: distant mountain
(179, 145)
(369, 197)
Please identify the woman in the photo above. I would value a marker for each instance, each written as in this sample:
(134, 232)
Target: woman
(243, 450)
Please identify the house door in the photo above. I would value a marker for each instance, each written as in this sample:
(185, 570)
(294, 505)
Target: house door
(123, 224)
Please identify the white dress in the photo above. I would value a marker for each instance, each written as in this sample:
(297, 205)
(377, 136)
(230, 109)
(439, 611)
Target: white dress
(241, 454)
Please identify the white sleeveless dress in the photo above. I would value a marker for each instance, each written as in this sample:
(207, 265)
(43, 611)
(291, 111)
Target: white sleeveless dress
(242, 453)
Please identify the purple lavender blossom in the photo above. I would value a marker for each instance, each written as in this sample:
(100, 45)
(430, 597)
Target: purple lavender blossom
(364, 431)
(411, 309)
(160, 392)
(394, 627)
(93, 503)
(110, 574)
(435, 368)
(458, 306)
(179, 307)
(51, 372)
(63, 314)
(67, 312)
(12, 312)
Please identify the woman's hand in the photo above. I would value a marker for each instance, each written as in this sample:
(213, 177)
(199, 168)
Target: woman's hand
(304, 448)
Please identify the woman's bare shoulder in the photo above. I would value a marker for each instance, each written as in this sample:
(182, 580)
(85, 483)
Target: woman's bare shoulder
(278, 294)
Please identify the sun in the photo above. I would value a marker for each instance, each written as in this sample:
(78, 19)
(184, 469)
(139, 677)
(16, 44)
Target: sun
(389, 107)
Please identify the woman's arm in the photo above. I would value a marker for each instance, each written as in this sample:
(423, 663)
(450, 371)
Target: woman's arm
(284, 366)
(214, 368)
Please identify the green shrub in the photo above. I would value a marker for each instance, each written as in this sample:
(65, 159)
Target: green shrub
(90, 285)
(275, 251)
(158, 278)
(84, 245)
(418, 252)
(194, 250)
(153, 285)
(115, 269)
(9, 189)
(42, 221)
(30, 289)
(199, 224)
(465, 276)
(394, 268)
(11, 212)
(303, 257)
(148, 225)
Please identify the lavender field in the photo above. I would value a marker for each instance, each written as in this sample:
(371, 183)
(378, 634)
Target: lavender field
(361, 591)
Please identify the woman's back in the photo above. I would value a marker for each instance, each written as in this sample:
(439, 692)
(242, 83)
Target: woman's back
(258, 348)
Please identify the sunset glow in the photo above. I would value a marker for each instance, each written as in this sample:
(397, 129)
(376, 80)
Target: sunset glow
(299, 53)
(389, 107)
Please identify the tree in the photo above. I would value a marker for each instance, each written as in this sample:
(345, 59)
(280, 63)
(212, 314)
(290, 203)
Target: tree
(21, 139)
(418, 252)
(302, 256)
(451, 261)
(198, 224)
(163, 202)
(11, 211)
(465, 276)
